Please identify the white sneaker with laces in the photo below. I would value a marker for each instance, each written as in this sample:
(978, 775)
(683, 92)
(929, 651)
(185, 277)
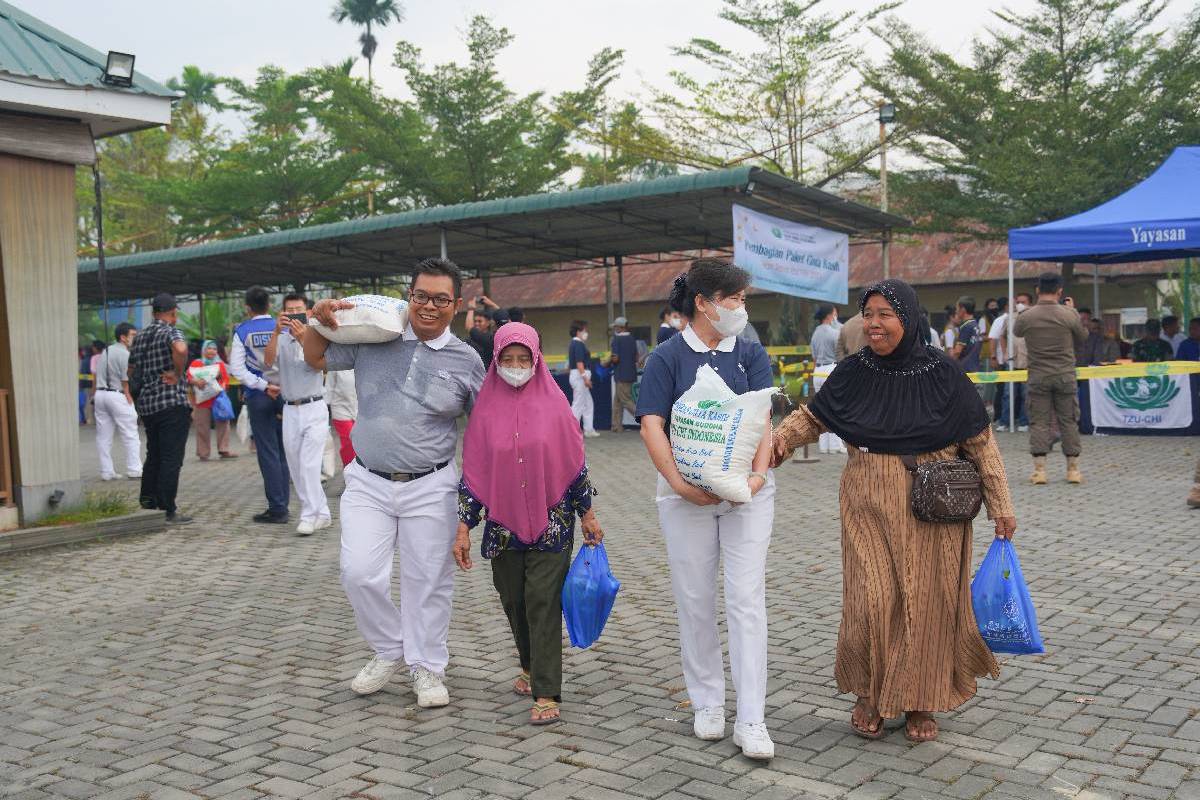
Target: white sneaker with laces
(305, 528)
(754, 740)
(709, 723)
(431, 692)
(322, 523)
(374, 675)
(591, 435)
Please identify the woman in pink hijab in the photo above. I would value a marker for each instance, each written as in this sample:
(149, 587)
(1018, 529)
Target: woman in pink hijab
(524, 472)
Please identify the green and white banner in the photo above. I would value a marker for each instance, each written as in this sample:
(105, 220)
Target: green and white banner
(1150, 401)
(791, 258)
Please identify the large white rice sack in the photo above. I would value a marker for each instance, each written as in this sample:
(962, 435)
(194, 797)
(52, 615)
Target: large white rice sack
(373, 319)
(715, 434)
(210, 374)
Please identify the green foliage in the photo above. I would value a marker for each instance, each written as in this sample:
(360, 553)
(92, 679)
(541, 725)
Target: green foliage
(220, 317)
(367, 14)
(95, 507)
(1055, 111)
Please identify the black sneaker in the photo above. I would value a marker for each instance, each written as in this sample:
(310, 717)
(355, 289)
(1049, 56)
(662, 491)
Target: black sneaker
(270, 518)
(175, 518)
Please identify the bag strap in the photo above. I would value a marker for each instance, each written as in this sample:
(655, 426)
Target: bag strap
(909, 461)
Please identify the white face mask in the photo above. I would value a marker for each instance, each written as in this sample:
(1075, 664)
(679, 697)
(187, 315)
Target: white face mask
(729, 321)
(675, 322)
(582, 336)
(515, 377)
(1021, 307)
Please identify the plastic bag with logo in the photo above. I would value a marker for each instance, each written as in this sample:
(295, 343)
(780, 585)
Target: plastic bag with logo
(1003, 608)
(588, 594)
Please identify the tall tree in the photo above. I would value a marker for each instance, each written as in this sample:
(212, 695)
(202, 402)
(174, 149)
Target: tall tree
(1054, 111)
(367, 14)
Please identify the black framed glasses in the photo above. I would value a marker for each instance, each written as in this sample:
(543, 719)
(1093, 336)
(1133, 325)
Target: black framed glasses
(438, 300)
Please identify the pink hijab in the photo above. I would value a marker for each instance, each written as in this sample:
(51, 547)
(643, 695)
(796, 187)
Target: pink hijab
(522, 449)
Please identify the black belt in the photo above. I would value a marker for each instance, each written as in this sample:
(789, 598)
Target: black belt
(306, 400)
(106, 389)
(400, 477)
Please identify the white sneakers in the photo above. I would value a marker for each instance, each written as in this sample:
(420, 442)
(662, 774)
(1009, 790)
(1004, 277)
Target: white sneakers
(306, 528)
(431, 692)
(374, 675)
(591, 435)
(754, 740)
(322, 523)
(709, 723)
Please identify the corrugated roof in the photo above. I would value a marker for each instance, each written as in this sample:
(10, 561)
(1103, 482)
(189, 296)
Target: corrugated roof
(29, 48)
(682, 212)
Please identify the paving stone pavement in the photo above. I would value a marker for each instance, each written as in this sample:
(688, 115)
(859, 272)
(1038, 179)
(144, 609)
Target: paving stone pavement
(214, 661)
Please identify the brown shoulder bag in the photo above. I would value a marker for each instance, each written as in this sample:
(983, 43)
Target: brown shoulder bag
(945, 491)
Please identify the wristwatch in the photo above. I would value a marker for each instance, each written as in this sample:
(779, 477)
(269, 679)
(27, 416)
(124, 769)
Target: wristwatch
(762, 475)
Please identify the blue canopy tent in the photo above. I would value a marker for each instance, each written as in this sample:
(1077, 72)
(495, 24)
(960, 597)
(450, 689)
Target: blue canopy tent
(1157, 219)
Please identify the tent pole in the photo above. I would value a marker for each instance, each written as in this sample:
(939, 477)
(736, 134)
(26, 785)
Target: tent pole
(445, 252)
(200, 300)
(621, 282)
(1187, 290)
(1097, 312)
(1008, 351)
(608, 297)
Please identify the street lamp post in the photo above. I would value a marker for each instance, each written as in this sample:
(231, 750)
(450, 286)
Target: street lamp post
(887, 115)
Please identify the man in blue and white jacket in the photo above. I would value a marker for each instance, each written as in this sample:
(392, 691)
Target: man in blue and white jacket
(265, 406)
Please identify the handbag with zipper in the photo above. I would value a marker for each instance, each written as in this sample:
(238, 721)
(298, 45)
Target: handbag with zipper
(945, 491)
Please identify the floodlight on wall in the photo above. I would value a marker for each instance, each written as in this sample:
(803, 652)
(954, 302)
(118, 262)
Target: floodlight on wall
(887, 113)
(119, 69)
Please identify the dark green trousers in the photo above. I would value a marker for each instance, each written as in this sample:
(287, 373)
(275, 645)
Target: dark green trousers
(530, 584)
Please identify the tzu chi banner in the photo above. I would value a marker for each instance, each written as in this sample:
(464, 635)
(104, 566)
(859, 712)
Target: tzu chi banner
(791, 258)
(1152, 401)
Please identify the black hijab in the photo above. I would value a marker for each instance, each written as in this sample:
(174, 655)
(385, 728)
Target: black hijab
(914, 400)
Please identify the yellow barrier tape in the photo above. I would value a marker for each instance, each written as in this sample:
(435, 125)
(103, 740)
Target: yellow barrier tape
(1088, 373)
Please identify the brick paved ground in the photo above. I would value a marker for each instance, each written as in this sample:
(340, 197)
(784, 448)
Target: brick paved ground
(214, 661)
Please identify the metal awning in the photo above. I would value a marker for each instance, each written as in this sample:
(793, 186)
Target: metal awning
(684, 212)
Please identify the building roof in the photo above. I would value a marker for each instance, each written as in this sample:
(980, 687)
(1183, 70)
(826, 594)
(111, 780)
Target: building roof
(29, 48)
(537, 232)
(922, 260)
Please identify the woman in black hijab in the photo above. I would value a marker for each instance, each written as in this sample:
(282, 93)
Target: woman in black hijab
(908, 642)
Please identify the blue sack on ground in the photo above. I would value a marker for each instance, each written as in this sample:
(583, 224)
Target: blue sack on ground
(1003, 608)
(588, 595)
(222, 408)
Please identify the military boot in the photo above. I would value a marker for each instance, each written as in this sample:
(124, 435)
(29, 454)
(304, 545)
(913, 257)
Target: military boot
(1073, 473)
(1039, 470)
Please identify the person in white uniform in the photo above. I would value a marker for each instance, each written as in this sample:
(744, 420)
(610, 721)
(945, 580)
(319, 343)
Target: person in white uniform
(402, 487)
(305, 415)
(115, 412)
(824, 353)
(700, 530)
(579, 359)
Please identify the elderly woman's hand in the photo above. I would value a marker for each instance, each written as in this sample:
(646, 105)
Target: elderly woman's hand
(781, 451)
(592, 534)
(462, 547)
(1006, 527)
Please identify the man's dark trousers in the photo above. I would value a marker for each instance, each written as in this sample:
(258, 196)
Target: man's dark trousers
(166, 442)
(267, 426)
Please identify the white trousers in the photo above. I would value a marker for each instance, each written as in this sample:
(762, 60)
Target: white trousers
(329, 456)
(829, 442)
(114, 414)
(696, 537)
(418, 520)
(304, 430)
(582, 405)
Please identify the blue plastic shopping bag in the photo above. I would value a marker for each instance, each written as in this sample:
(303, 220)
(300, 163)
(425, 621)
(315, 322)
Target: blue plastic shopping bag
(1003, 608)
(222, 408)
(588, 595)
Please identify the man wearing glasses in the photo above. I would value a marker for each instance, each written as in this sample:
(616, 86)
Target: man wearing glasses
(402, 487)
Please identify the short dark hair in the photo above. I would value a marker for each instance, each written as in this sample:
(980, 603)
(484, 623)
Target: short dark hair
(1153, 327)
(967, 303)
(1026, 295)
(577, 326)
(258, 299)
(662, 315)
(123, 329)
(1002, 303)
(98, 345)
(440, 267)
(1193, 321)
(1170, 319)
(1088, 311)
(1049, 283)
(707, 277)
(516, 314)
(292, 297)
(990, 300)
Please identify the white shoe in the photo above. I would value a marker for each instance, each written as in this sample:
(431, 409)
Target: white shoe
(824, 451)
(842, 451)
(1022, 428)
(754, 740)
(591, 435)
(374, 675)
(709, 723)
(110, 477)
(305, 527)
(431, 692)
(134, 476)
(322, 523)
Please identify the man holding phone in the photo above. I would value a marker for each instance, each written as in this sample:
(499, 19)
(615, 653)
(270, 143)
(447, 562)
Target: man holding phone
(305, 415)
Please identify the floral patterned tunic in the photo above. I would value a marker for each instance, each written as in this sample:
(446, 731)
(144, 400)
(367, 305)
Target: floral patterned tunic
(559, 534)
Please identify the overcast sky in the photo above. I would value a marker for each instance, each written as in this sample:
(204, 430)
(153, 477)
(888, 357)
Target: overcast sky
(554, 38)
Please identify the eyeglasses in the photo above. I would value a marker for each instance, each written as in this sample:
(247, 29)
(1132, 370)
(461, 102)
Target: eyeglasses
(439, 300)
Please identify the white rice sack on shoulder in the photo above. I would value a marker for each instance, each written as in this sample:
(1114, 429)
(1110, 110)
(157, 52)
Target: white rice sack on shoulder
(715, 434)
(373, 319)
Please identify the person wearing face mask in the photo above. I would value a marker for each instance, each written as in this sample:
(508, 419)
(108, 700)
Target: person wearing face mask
(579, 358)
(1020, 361)
(824, 353)
(700, 529)
(524, 472)
(908, 642)
(669, 324)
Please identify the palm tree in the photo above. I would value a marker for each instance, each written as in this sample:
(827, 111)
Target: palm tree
(367, 13)
(199, 88)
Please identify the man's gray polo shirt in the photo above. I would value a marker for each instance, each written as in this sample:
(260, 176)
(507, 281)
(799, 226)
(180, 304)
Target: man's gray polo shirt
(297, 380)
(113, 367)
(410, 394)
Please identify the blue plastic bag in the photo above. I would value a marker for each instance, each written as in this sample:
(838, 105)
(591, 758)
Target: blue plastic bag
(588, 595)
(222, 408)
(1003, 608)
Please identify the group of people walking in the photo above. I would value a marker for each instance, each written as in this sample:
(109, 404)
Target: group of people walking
(909, 644)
